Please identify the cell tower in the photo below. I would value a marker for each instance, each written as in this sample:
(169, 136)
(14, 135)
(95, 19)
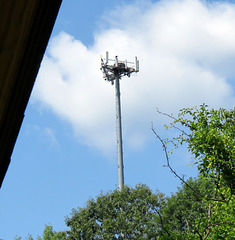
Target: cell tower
(113, 72)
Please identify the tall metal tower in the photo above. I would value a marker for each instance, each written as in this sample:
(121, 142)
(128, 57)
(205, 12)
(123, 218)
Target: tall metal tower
(113, 72)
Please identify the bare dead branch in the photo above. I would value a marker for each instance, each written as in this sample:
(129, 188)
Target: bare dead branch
(171, 116)
(166, 114)
(168, 162)
(175, 173)
(181, 130)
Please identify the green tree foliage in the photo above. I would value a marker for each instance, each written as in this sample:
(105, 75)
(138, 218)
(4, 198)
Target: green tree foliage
(126, 214)
(140, 214)
(212, 142)
(48, 234)
(177, 217)
(210, 137)
(28, 238)
(201, 209)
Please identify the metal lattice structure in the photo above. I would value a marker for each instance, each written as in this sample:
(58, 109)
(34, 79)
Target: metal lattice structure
(118, 68)
(113, 73)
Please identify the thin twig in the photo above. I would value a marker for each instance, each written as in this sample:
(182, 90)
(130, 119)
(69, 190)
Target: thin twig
(175, 119)
(181, 130)
(166, 114)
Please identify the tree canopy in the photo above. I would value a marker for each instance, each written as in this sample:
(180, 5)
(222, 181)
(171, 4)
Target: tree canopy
(211, 140)
(136, 213)
(182, 208)
(202, 208)
(126, 214)
(210, 137)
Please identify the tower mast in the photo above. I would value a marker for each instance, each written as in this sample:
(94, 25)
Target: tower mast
(113, 73)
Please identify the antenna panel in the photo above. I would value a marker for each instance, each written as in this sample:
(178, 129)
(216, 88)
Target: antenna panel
(136, 64)
(107, 57)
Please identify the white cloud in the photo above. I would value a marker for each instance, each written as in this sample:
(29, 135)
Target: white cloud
(45, 135)
(187, 54)
(50, 135)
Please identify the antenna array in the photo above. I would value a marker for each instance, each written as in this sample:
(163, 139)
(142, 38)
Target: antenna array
(117, 68)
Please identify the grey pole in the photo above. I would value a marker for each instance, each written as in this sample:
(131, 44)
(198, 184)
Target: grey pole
(119, 134)
(113, 73)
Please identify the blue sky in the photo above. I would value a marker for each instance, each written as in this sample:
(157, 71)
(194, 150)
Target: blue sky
(66, 150)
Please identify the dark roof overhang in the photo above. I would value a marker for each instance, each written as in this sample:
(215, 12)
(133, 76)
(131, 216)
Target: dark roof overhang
(25, 29)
